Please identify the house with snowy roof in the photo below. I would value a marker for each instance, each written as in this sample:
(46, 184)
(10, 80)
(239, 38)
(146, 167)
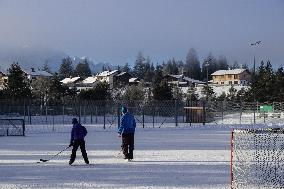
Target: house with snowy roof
(107, 76)
(182, 81)
(122, 79)
(71, 81)
(232, 77)
(88, 83)
(34, 74)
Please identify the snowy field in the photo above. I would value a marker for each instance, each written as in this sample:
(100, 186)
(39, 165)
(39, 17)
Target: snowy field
(182, 157)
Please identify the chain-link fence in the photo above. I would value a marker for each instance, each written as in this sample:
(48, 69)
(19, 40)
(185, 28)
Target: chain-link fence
(56, 115)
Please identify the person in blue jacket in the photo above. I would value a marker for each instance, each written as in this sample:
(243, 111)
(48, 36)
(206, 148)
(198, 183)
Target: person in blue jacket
(78, 134)
(126, 130)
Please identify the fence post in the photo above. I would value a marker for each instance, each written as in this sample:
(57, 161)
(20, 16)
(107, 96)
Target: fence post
(29, 113)
(53, 118)
(84, 112)
(45, 113)
(153, 109)
(80, 113)
(204, 112)
(254, 108)
(104, 117)
(63, 114)
(118, 117)
(176, 113)
(25, 110)
(241, 110)
(143, 121)
(96, 114)
(222, 109)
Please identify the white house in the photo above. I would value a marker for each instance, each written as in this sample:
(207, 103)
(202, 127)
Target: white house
(232, 77)
(107, 76)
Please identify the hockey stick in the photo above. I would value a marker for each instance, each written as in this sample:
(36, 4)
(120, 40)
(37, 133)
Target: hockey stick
(45, 160)
(118, 154)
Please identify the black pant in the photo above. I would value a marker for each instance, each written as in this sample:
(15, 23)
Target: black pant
(76, 145)
(128, 145)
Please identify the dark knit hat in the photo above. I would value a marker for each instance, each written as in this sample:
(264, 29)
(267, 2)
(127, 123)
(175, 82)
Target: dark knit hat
(74, 121)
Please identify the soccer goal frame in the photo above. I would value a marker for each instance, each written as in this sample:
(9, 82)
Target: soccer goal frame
(257, 158)
(12, 127)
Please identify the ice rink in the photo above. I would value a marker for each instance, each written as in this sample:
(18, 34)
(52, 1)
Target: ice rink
(182, 157)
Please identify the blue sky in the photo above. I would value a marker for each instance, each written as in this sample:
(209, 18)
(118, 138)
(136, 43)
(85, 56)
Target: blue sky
(115, 30)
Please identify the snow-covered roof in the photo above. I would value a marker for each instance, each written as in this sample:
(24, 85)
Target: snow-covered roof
(34, 72)
(133, 79)
(69, 80)
(229, 72)
(122, 73)
(90, 80)
(107, 73)
(192, 80)
(186, 78)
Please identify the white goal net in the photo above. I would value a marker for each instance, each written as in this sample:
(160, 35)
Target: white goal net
(257, 158)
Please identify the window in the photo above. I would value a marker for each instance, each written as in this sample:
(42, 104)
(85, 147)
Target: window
(236, 76)
(222, 76)
(236, 82)
(222, 83)
(230, 82)
(229, 76)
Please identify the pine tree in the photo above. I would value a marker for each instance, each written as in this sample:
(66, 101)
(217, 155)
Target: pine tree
(192, 65)
(83, 69)
(126, 68)
(18, 85)
(66, 68)
(138, 69)
(278, 89)
(162, 91)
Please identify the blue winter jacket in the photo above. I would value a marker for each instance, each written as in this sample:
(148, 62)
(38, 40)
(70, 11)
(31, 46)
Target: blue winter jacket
(127, 124)
(78, 132)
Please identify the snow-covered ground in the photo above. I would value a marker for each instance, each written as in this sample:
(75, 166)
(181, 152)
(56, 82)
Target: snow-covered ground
(176, 157)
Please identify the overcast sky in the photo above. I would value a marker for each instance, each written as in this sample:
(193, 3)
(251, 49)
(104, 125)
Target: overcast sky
(115, 30)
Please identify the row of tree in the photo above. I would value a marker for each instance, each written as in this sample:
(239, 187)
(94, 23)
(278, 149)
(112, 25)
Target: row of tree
(144, 68)
(267, 85)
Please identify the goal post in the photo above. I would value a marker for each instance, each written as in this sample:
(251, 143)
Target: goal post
(257, 158)
(12, 127)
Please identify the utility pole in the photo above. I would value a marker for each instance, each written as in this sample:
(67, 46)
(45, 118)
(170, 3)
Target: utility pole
(255, 44)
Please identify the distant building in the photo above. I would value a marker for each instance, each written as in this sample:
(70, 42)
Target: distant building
(71, 81)
(122, 79)
(232, 77)
(107, 76)
(88, 83)
(3, 79)
(134, 81)
(182, 81)
(33, 74)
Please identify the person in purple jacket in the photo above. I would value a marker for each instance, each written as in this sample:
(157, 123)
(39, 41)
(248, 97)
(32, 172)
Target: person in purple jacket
(126, 130)
(78, 134)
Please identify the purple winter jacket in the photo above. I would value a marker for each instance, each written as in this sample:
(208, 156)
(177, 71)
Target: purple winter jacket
(78, 132)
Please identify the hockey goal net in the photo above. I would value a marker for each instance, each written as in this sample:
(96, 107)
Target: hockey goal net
(12, 127)
(257, 158)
